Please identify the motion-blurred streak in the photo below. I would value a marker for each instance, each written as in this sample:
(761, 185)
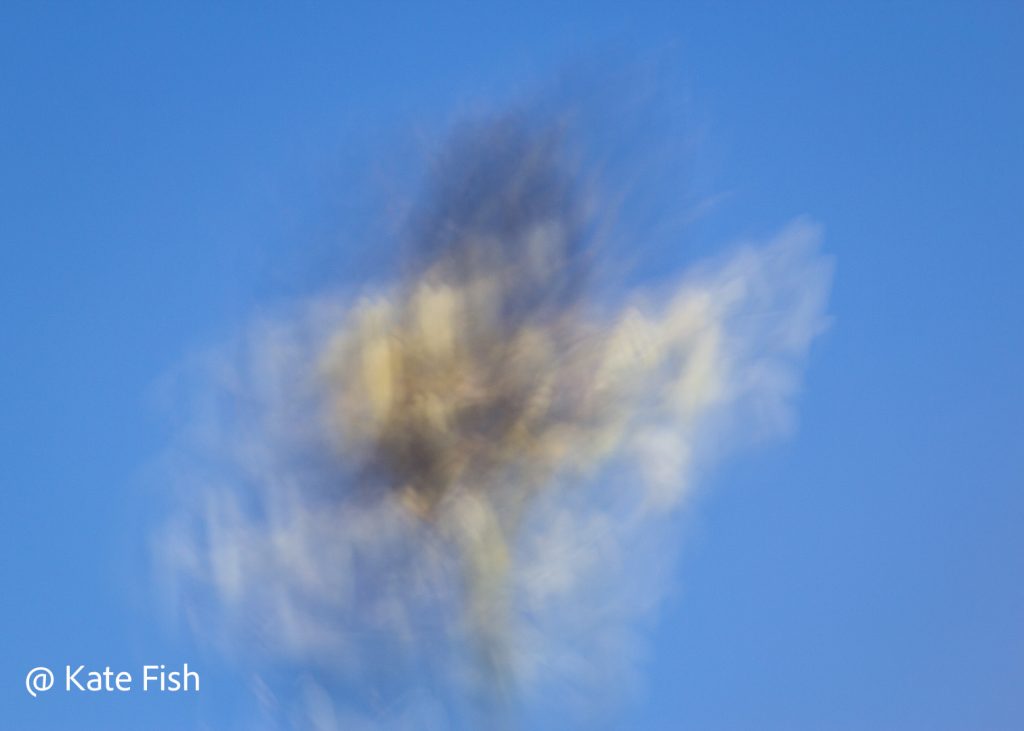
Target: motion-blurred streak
(446, 479)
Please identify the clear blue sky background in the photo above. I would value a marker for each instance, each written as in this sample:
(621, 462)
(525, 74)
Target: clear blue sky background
(162, 171)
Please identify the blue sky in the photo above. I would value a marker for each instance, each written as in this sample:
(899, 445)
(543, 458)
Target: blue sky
(165, 173)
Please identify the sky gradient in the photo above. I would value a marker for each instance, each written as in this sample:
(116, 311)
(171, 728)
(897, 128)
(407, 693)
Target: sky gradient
(164, 174)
